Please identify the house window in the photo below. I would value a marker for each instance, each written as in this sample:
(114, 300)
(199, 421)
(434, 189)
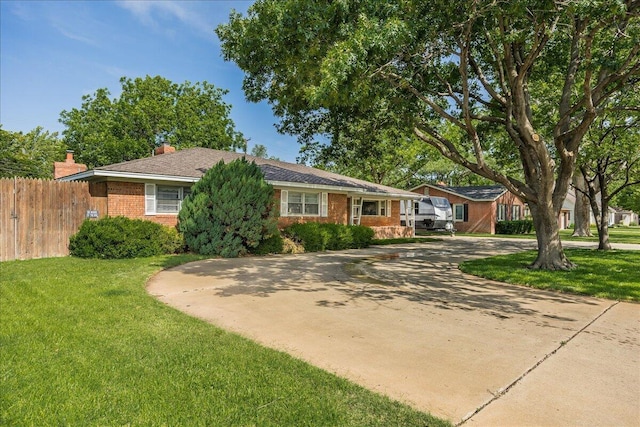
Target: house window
(502, 212)
(295, 203)
(515, 212)
(376, 207)
(302, 203)
(461, 212)
(164, 199)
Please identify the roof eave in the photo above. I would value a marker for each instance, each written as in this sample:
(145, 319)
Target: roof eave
(352, 190)
(97, 173)
(435, 187)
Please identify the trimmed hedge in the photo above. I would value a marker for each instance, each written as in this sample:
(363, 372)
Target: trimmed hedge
(523, 226)
(120, 237)
(316, 237)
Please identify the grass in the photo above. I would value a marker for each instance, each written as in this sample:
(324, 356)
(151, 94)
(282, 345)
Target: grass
(82, 343)
(616, 235)
(610, 274)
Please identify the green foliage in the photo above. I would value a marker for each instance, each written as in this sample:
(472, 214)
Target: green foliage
(149, 111)
(610, 274)
(316, 237)
(362, 236)
(230, 210)
(84, 344)
(270, 245)
(506, 90)
(523, 226)
(29, 155)
(628, 198)
(120, 237)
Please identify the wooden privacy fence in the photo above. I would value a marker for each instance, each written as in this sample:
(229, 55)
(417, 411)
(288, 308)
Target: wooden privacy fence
(37, 217)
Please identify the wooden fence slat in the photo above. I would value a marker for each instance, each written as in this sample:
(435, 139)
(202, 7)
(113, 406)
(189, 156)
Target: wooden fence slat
(37, 217)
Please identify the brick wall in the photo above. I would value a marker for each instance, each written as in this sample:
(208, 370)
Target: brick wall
(127, 199)
(392, 232)
(336, 212)
(68, 167)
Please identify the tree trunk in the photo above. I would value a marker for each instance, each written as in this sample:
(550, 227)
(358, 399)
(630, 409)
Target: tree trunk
(603, 228)
(550, 253)
(582, 209)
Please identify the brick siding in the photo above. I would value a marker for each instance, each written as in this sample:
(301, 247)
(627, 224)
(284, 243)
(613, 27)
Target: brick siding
(128, 199)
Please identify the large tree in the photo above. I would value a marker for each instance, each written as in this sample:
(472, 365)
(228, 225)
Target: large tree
(149, 111)
(30, 154)
(472, 63)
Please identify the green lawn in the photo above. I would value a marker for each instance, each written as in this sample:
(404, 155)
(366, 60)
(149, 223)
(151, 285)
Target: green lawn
(616, 235)
(609, 274)
(82, 343)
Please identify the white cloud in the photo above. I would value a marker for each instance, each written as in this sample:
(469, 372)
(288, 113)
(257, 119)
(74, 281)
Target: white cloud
(155, 13)
(74, 36)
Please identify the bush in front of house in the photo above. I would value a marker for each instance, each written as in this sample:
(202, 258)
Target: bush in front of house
(120, 237)
(362, 236)
(229, 211)
(270, 245)
(523, 226)
(315, 237)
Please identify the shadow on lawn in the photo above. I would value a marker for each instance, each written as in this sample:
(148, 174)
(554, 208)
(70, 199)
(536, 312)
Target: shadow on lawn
(423, 274)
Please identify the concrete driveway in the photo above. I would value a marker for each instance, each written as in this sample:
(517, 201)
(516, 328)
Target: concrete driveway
(404, 321)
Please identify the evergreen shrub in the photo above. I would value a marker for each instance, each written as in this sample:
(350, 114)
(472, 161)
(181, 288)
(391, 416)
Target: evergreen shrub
(523, 226)
(229, 211)
(270, 245)
(316, 237)
(120, 237)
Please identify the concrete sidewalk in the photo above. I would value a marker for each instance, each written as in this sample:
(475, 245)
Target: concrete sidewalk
(404, 321)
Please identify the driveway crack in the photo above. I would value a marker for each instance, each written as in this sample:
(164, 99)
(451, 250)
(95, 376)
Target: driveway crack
(497, 395)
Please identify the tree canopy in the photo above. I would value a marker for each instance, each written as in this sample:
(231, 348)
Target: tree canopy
(148, 112)
(29, 155)
(609, 159)
(482, 66)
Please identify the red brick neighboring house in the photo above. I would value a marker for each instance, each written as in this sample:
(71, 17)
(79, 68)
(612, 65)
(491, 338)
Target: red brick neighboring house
(477, 209)
(153, 188)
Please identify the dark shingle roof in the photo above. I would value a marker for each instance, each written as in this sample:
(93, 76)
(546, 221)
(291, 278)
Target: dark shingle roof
(194, 162)
(480, 192)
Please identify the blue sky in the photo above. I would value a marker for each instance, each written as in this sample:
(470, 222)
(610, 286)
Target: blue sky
(54, 52)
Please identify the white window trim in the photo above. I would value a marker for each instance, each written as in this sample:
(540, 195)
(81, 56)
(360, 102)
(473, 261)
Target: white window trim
(514, 209)
(323, 204)
(386, 204)
(151, 201)
(501, 207)
(455, 218)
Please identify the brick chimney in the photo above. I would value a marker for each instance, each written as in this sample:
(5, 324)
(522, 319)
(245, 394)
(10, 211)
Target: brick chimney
(68, 167)
(164, 148)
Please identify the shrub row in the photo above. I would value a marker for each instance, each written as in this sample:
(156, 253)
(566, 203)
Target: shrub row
(120, 237)
(524, 226)
(315, 237)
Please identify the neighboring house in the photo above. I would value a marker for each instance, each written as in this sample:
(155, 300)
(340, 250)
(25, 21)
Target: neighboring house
(153, 188)
(566, 218)
(477, 209)
(625, 217)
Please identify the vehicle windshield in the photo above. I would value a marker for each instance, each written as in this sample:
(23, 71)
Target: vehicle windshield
(440, 202)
